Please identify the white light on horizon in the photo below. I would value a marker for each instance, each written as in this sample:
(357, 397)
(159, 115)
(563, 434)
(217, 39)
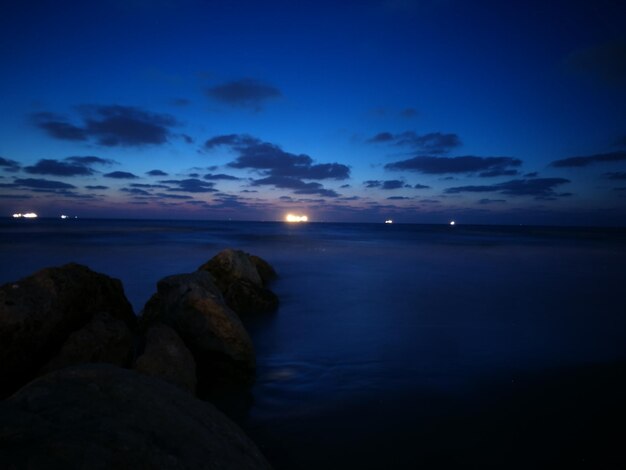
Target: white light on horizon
(389, 221)
(452, 222)
(27, 215)
(296, 218)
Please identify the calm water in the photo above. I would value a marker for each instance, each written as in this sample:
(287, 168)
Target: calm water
(399, 345)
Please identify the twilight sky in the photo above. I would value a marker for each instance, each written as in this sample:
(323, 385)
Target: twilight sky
(417, 110)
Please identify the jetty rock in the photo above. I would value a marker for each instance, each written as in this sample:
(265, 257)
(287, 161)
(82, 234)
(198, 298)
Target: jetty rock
(193, 306)
(165, 356)
(102, 416)
(242, 279)
(39, 313)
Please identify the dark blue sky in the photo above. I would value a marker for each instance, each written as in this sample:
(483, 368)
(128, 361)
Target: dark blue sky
(420, 111)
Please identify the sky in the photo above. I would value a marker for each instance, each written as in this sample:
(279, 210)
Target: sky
(422, 111)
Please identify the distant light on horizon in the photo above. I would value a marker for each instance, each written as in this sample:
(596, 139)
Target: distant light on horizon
(389, 221)
(452, 222)
(27, 215)
(296, 218)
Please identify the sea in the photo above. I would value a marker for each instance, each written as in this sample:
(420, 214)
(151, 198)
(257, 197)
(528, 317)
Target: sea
(398, 345)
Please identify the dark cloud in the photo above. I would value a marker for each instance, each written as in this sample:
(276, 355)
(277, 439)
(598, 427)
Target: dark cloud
(191, 185)
(421, 186)
(616, 175)
(9, 165)
(90, 160)
(15, 196)
(466, 164)
(388, 184)
(298, 186)
(491, 201)
(97, 187)
(590, 159)
(136, 191)
(58, 127)
(408, 113)
(120, 175)
(42, 184)
(180, 102)
(144, 185)
(58, 168)
(246, 93)
(397, 198)
(110, 126)
(271, 160)
(220, 176)
(605, 63)
(188, 139)
(498, 172)
(432, 143)
(539, 188)
(430, 201)
(344, 186)
(532, 174)
(194, 175)
(175, 196)
(156, 173)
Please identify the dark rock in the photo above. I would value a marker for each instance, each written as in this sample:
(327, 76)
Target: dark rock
(38, 313)
(244, 298)
(101, 416)
(103, 339)
(231, 265)
(193, 306)
(265, 270)
(166, 357)
(241, 278)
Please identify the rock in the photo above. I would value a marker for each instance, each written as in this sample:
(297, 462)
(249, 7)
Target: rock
(103, 339)
(38, 313)
(101, 416)
(193, 306)
(265, 270)
(241, 278)
(166, 357)
(231, 265)
(245, 298)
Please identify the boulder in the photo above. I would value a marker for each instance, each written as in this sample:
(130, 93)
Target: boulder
(166, 357)
(102, 416)
(193, 306)
(241, 278)
(103, 339)
(38, 313)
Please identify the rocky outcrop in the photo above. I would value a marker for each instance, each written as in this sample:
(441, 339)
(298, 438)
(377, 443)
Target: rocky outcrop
(193, 306)
(38, 314)
(101, 416)
(166, 357)
(103, 339)
(242, 280)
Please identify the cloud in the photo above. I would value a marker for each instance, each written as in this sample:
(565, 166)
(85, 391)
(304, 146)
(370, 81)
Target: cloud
(465, 164)
(421, 186)
(498, 172)
(408, 113)
(245, 93)
(541, 188)
(120, 175)
(96, 187)
(90, 160)
(616, 175)
(590, 159)
(156, 173)
(432, 143)
(191, 185)
(605, 63)
(532, 174)
(220, 176)
(298, 186)
(136, 191)
(144, 185)
(58, 168)
(175, 196)
(491, 201)
(42, 184)
(110, 126)
(397, 198)
(271, 160)
(9, 165)
(388, 184)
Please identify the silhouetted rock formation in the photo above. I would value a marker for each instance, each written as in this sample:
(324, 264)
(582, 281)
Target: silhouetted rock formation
(193, 306)
(38, 314)
(242, 280)
(101, 416)
(166, 357)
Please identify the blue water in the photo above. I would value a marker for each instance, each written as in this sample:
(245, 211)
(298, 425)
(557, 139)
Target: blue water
(385, 332)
